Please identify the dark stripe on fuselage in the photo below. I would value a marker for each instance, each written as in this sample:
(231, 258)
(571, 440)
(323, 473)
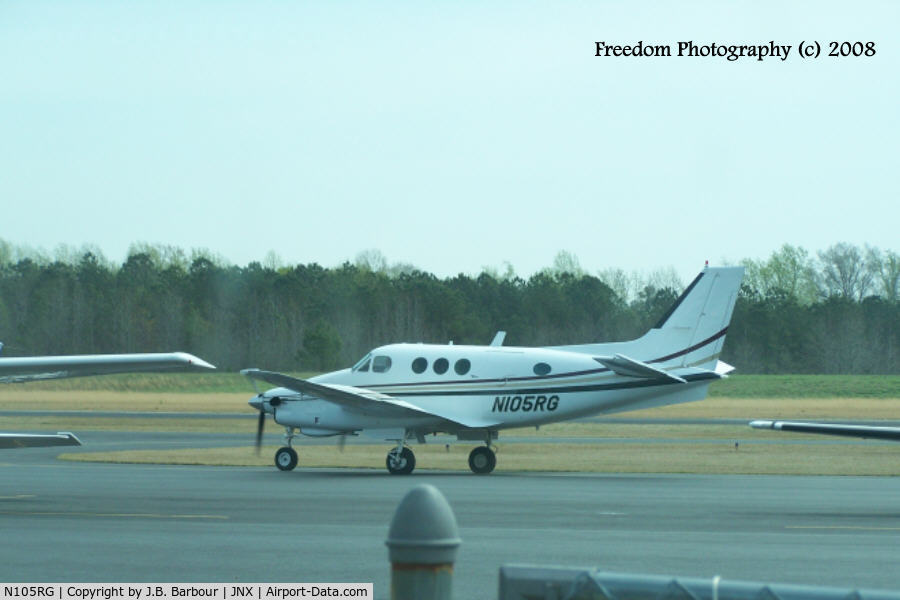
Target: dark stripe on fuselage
(696, 346)
(596, 387)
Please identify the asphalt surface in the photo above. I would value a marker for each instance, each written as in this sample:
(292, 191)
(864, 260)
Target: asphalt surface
(86, 522)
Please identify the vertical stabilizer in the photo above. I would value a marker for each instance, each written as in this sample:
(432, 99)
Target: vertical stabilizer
(699, 318)
(691, 333)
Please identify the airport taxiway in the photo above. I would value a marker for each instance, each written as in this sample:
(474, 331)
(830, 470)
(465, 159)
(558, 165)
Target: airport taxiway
(88, 522)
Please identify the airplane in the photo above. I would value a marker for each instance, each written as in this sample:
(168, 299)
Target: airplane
(38, 368)
(862, 431)
(405, 391)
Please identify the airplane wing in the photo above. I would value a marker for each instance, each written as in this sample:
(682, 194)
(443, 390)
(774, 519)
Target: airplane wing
(630, 367)
(30, 440)
(863, 431)
(33, 368)
(359, 399)
(36, 368)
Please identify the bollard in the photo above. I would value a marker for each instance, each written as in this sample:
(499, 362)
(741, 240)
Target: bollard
(422, 544)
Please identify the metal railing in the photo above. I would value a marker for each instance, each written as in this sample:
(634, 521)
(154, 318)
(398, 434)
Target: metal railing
(524, 582)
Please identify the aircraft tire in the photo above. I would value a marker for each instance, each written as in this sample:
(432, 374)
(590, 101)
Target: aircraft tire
(286, 458)
(403, 466)
(482, 460)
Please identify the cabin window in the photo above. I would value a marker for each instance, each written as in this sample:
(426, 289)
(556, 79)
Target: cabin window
(462, 366)
(419, 365)
(441, 365)
(363, 364)
(541, 369)
(381, 364)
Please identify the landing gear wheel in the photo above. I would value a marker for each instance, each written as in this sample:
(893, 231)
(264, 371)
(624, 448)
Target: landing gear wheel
(286, 458)
(401, 465)
(482, 460)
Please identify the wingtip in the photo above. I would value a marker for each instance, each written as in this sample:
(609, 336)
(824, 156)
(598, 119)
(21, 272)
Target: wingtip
(73, 439)
(199, 362)
(192, 361)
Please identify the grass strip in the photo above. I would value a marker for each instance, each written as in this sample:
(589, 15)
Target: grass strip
(21, 398)
(29, 398)
(78, 424)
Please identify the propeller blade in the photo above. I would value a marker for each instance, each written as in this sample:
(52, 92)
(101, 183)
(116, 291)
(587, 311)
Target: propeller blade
(260, 425)
(342, 441)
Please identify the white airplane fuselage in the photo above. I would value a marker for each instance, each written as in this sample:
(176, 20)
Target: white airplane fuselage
(501, 387)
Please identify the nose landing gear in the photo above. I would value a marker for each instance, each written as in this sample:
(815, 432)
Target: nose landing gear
(286, 457)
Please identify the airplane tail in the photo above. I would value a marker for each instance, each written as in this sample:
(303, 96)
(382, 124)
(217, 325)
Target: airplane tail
(690, 334)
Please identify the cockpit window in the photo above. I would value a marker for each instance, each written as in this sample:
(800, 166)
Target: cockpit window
(381, 364)
(363, 364)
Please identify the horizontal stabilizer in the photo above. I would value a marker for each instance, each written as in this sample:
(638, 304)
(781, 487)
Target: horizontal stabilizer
(630, 367)
(862, 431)
(723, 368)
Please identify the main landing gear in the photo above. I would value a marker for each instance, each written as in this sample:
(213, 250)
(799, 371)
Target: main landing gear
(402, 461)
(482, 460)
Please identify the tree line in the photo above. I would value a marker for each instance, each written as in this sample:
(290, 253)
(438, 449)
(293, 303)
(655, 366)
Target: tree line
(836, 312)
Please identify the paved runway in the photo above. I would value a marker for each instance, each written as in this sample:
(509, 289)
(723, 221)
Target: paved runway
(67, 521)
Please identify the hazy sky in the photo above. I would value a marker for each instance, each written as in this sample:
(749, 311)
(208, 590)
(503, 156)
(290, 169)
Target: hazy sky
(450, 135)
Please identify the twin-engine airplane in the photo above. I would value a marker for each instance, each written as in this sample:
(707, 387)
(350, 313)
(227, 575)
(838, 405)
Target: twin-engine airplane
(36, 368)
(405, 391)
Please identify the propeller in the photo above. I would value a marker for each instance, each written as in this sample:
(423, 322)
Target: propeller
(260, 425)
(259, 405)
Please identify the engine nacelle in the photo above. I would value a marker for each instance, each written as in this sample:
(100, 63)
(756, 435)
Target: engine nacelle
(319, 432)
